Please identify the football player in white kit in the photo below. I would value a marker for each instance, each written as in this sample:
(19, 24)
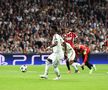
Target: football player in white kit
(56, 56)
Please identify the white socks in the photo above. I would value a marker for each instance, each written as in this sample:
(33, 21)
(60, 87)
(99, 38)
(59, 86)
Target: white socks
(75, 64)
(47, 65)
(57, 72)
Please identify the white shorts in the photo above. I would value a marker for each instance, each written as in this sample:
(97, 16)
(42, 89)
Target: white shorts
(71, 56)
(56, 56)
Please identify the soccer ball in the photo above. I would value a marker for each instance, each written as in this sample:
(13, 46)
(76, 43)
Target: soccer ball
(23, 68)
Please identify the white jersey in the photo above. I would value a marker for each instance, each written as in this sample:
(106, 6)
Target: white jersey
(58, 48)
(58, 53)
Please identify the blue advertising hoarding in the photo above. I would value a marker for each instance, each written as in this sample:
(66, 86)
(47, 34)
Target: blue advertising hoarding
(38, 59)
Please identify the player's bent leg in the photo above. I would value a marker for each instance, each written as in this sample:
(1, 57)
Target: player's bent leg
(68, 66)
(57, 73)
(90, 66)
(47, 65)
(56, 70)
(91, 71)
(75, 67)
(94, 67)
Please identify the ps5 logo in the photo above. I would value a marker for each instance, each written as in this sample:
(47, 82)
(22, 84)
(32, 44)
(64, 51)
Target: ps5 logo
(43, 58)
(23, 58)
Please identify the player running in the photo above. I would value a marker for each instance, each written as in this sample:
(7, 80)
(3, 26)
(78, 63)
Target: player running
(69, 37)
(85, 51)
(69, 55)
(56, 56)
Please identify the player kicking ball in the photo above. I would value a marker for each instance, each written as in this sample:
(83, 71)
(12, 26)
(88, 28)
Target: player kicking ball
(55, 57)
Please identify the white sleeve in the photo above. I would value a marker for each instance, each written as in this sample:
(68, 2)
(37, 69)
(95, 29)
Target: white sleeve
(54, 39)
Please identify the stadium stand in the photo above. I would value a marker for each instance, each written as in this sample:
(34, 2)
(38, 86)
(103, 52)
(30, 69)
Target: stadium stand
(25, 25)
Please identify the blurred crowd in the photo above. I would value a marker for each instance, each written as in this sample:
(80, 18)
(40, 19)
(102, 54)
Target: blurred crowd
(25, 25)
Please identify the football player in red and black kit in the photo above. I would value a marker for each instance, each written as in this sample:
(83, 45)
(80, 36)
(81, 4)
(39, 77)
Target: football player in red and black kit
(85, 51)
(69, 37)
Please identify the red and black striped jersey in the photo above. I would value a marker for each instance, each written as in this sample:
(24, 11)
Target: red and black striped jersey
(69, 38)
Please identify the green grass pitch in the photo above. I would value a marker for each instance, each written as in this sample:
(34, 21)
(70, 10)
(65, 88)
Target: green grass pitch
(11, 78)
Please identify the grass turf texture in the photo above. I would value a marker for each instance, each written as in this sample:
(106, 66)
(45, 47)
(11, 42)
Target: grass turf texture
(11, 78)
